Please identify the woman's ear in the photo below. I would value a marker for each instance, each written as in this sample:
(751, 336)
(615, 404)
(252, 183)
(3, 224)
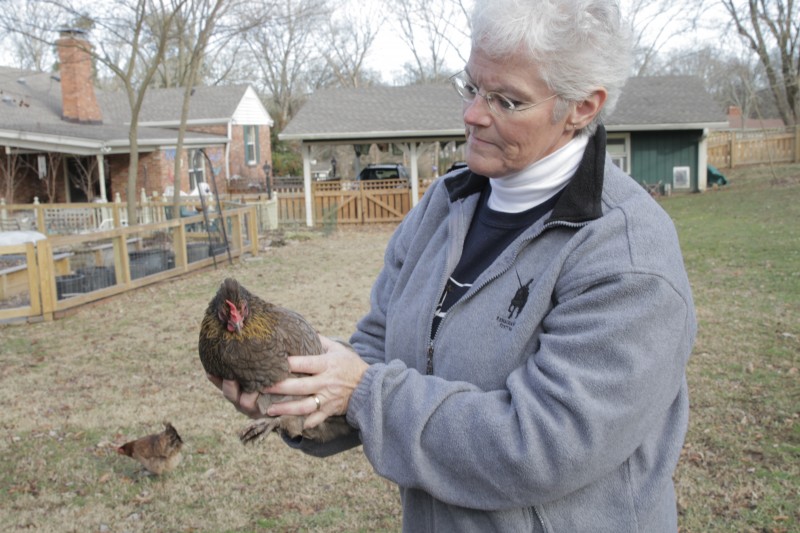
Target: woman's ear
(584, 112)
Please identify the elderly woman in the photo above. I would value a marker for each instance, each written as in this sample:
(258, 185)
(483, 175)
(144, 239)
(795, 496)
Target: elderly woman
(522, 366)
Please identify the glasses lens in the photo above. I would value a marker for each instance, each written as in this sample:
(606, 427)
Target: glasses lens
(465, 89)
(500, 104)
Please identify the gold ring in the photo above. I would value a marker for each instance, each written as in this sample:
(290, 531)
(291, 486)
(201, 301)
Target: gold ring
(319, 404)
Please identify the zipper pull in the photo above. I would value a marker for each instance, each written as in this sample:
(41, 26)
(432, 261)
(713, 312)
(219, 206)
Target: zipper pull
(429, 366)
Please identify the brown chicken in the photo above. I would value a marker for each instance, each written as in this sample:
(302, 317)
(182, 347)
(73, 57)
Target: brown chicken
(246, 339)
(158, 453)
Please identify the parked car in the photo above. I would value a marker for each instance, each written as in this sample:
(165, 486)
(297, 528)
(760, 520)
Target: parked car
(323, 175)
(386, 171)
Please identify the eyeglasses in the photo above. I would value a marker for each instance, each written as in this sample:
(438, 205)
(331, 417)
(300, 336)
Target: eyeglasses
(498, 104)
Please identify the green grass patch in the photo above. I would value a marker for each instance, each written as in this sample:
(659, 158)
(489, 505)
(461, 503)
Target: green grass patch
(741, 244)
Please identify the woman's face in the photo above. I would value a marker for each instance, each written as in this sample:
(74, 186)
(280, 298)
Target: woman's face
(501, 144)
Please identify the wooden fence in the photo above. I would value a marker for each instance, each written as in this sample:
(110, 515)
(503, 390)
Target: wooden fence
(72, 218)
(729, 149)
(40, 279)
(349, 202)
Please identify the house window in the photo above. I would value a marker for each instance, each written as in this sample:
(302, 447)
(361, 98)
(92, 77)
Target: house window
(619, 148)
(196, 168)
(251, 145)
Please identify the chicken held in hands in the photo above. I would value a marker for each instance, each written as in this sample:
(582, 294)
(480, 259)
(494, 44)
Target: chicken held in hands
(158, 453)
(248, 340)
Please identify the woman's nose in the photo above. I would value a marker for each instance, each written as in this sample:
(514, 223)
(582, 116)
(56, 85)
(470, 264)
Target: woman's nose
(477, 111)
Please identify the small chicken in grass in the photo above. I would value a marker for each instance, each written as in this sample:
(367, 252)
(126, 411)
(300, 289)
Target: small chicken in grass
(246, 339)
(158, 453)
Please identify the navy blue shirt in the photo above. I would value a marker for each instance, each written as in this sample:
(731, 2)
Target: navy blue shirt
(489, 234)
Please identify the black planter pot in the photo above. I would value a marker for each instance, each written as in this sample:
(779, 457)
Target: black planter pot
(96, 278)
(148, 262)
(195, 251)
(69, 285)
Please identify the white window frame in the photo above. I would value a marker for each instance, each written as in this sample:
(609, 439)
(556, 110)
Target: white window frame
(197, 168)
(621, 159)
(250, 145)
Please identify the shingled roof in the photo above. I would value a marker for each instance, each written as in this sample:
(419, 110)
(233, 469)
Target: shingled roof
(665, 102)
(207, 104)
(375, 114)
(378, 113)
(31, 107)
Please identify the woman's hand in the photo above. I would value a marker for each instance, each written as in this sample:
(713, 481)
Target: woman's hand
(245, 402)
(331, 379)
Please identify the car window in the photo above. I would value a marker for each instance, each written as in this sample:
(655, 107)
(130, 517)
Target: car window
(386, 174)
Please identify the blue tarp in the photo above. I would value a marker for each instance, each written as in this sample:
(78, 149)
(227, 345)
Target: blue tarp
(715, 177)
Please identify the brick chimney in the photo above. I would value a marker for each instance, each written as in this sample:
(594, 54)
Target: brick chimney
(78, 100)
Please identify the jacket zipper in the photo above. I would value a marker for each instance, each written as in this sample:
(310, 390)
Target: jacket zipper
(429, 361)
(539, 518)
(429, 365)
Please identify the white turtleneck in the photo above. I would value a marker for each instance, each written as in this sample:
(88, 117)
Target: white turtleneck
(539, 181)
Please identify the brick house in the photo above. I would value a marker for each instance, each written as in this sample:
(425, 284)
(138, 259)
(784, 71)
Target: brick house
(61, 140)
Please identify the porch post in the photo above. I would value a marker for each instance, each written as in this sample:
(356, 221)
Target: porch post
(101, 175)
(414, 174)
(702, 162)
(306, 149)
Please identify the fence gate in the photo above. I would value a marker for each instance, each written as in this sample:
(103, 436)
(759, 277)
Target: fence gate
(350, 202)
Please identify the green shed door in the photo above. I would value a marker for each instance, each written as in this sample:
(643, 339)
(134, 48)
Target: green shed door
(668, 157)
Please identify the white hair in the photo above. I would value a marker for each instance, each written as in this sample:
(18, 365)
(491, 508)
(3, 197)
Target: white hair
(577, 45)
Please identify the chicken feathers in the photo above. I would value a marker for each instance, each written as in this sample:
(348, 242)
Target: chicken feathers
(248, 340)
(158, 453)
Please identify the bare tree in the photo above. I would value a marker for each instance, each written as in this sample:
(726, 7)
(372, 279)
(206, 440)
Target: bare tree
(128, 47)
(426, 28)
(199, 32)
(208, 13)
(732, 79)
(655, 24)
(29, 45)
(459, 29)
(771, 29)
(352, 31)
(12, 172)
(138, 69)
(284, 52)
(83, 175)
(53, 163)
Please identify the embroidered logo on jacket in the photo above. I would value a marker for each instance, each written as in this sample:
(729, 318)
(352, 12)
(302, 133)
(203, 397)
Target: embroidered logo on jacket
(517, 303)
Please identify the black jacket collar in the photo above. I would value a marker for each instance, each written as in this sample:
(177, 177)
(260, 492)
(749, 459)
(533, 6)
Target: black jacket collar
(580, 201)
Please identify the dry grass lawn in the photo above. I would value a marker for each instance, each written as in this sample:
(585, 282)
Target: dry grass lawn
(114, 371)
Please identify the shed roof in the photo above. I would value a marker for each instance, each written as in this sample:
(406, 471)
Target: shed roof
(666, 102)
(418, 112)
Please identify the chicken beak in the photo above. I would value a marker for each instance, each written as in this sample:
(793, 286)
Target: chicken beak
(236, 320)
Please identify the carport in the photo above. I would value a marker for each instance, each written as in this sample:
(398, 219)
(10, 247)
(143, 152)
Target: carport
(409, 117)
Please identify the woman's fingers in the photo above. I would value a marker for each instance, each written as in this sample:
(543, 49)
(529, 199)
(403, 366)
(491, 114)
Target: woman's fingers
(230, 389)
(215, 380)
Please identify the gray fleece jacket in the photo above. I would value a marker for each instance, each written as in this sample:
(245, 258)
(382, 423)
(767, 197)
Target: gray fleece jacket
(562, 408)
